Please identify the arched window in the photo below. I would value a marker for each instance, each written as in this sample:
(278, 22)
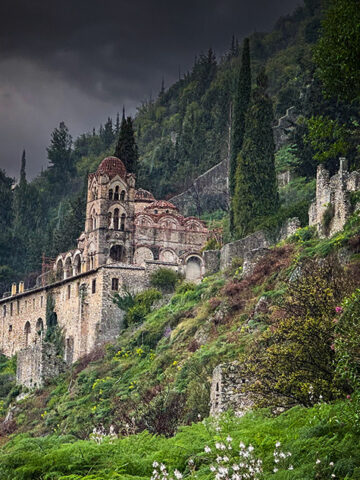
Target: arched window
(77, 264)
(4, 311)
(116, 219)
(116, 194)
(122, 195)
(27, 331)
(40, 328)
(111, 194)
(117, 253)
(94, 221)
(109, 219)
(122, 225)
(59, 270)
(68, 268)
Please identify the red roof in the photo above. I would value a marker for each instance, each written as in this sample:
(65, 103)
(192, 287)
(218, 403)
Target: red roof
(161, 204)
(111, 166)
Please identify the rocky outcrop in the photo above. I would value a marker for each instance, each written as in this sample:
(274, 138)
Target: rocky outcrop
(208, 192)
(285, 127)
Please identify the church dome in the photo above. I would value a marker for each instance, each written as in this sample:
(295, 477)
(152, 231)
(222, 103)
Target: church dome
(161, 205)
(142, 195)
(111, 166)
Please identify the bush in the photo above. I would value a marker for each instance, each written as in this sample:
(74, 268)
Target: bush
(142, 304)
(165, 279)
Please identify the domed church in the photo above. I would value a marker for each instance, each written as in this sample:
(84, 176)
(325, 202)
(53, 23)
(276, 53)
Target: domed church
(128, 234)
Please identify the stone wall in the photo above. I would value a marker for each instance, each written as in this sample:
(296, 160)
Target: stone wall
(208, 192)
(37, 363)
(239, 248)
(227, 390)
(332, 206)
(83, 306)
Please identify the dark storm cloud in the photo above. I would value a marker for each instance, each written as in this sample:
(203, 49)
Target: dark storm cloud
(80, 60)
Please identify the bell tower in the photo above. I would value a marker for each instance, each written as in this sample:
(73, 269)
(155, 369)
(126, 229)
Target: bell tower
(110, 210)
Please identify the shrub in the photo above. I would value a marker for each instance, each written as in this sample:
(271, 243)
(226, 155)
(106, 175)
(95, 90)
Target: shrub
(141, 307)
(165, 279)
(328, 216)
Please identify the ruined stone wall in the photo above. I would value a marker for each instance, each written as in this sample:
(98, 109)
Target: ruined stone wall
(209, 192)
(36, 363)
(332, 206)
(239, 248)
(227, 390)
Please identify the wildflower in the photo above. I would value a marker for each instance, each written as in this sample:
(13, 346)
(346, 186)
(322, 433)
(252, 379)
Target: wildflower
(177, 474)
(318, 461)
(207, 449)
(338, 309)
(277, 444)
(228, 439)
(291, 467)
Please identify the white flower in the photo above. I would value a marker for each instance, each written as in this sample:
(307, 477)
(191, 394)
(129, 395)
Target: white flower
(277, 444)
(275, 470)
(291, 467)
(225, 459)
(242, 445)
(228, 439)
(251, 448)
(212, 468)
(207, 449)
(318, 461)
(177, 474)
(331, 464)
(155, 464)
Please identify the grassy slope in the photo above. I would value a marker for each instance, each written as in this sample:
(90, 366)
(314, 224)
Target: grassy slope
(157, 377)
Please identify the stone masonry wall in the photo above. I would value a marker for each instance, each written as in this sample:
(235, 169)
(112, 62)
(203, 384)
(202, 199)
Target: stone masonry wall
(333, 199)
(227, 390)
(37, 363)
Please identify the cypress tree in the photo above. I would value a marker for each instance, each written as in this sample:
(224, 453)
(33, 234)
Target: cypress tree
(256, 192)
(126, 148)
(241, 103)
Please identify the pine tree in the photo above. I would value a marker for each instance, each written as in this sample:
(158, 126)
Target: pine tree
(108, 133)
(60, 154)
(117, 125)
(256, 192)
(241, 103)
(126, 148)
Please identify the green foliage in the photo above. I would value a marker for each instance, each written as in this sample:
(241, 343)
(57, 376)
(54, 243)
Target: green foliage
(286, 159)
(256, 186)
(328, 139)
(165, 279)
(241, 103)
(126, 148)
(328, 216)
(294, 361)
(338, 50)
(211, 244)
(348, 353)
(142, 306)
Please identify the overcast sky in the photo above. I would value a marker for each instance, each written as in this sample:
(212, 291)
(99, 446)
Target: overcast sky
(79, 61)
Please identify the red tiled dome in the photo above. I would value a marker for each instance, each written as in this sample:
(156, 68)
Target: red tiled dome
(142, 195)
(111, 166)
(161, 204)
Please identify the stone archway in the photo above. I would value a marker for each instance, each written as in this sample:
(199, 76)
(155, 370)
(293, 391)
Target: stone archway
(193, 268)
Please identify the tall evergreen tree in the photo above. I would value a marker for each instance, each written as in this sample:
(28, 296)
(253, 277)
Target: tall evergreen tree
(241, 104)
(126, 148)
(59, 154)
(117, 125)
(256, 192)
(108, 133)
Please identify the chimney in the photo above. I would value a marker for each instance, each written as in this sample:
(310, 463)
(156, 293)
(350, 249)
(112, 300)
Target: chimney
(21, 287)
(13, 289)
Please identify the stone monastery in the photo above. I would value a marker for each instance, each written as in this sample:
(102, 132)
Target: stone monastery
(128, 234)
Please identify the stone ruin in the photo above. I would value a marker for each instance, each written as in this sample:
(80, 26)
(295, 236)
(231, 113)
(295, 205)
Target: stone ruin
(227, 390)
(332, 205)
(37, 363)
